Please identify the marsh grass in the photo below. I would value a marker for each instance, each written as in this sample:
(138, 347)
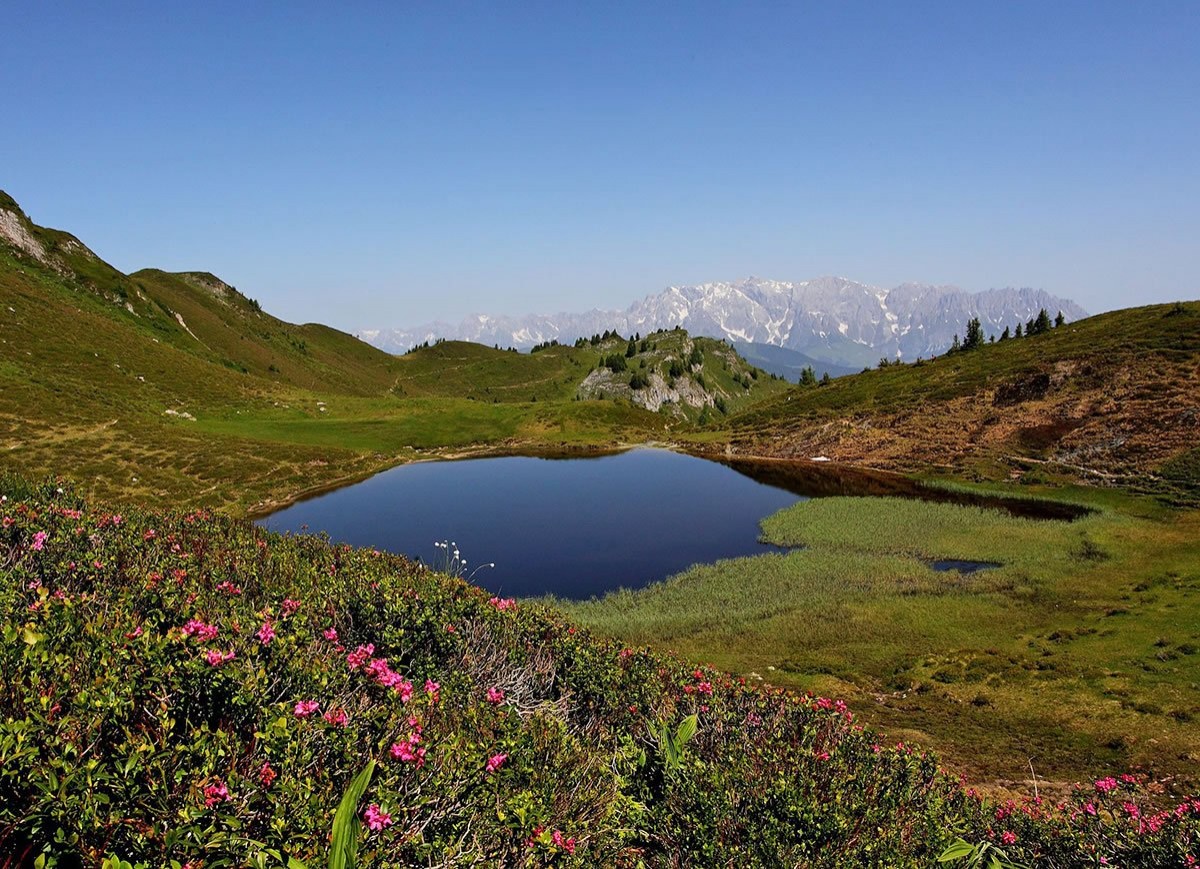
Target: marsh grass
(1049, 655)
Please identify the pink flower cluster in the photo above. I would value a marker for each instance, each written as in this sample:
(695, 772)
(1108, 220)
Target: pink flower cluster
(495, 762)
(702, 685)
(376, 817)
(410, 749)
(358, 659)
(229, 588)
(215, 794)
(266, 633)
(567, 844)
(39, 541)
(305, 708)
(384, 676)
(266, 775)
(495, 696)
(290, 606)
(556, 838)
(217, 658)
(839, 706)
(201, 631)
(434, 690)
(503, 604)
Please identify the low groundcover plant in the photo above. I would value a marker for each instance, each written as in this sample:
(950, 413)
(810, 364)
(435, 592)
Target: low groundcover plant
(186, 689)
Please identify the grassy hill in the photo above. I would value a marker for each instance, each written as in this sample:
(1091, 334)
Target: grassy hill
(157, 386)
(682, 375)
(1114, 398)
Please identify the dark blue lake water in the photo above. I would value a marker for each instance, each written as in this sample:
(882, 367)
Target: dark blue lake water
(573, 527)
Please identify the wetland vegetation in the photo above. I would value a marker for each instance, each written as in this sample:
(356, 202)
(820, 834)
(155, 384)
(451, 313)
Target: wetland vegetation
(1078, 652)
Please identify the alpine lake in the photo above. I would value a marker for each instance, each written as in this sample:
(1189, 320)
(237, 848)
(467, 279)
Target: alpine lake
(576, 528)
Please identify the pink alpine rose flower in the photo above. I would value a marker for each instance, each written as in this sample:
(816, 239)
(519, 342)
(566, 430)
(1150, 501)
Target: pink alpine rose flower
(495, 696)
(201, 631)
(406, 752)
(376, 818)
(495, 762)
(566, 844)
(357, 659)
(217, 658)
(266, 633)
(215, 794)
(306, 708)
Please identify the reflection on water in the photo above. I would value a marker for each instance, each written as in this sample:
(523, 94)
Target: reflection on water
(571, 527)
(578, 527)
(815, 480)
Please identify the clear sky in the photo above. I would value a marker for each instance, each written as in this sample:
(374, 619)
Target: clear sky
(388, 163)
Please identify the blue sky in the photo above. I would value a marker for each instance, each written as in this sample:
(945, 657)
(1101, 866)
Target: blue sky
(388, 163)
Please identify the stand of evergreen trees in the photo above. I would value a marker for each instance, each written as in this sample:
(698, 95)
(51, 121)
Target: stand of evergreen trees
(1038, 325)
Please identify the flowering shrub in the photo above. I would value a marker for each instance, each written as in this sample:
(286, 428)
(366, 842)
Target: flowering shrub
(149, 712)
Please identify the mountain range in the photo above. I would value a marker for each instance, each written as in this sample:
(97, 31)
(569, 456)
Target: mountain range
(832, 321)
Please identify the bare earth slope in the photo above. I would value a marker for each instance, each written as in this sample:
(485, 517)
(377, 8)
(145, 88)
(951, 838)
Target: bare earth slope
(1114, 398)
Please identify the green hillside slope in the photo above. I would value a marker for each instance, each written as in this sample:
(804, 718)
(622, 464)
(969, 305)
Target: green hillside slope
(158, 386)
(226, 327)
(1113, 398)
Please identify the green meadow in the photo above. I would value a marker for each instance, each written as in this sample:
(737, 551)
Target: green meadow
(1080, 654)
(167, 387)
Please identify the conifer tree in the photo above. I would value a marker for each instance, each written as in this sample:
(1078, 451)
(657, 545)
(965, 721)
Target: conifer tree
(974, 334)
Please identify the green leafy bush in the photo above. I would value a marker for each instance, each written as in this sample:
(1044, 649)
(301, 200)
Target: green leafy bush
(184, 689)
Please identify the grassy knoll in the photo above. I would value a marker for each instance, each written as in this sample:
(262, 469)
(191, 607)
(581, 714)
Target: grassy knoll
(185, 688)
(1111, 399)
(460, 369)
(1082, 652)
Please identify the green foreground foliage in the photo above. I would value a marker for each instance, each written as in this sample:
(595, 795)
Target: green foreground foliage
(184, 688)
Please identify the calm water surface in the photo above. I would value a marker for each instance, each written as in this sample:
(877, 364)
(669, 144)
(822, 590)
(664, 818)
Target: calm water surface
(571, 527)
